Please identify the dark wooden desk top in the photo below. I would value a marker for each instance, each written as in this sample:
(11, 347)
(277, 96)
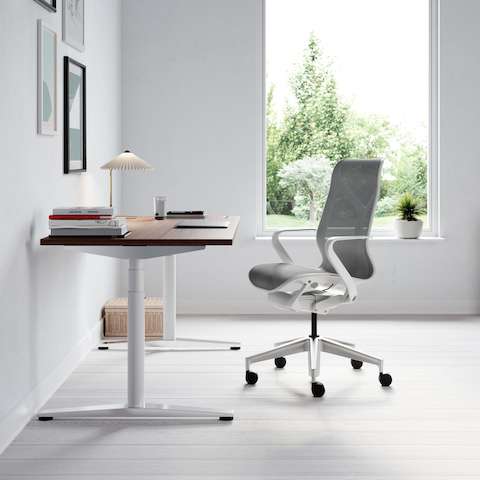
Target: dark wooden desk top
(146, 231)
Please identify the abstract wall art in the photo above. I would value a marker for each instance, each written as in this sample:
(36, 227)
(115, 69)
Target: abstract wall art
(74, 117)
(46, 80)
(74, 23)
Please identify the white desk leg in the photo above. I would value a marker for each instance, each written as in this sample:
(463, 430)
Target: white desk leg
(136, 407)
(170, 319)
(136, 334)
(170, 342)
(169, 297)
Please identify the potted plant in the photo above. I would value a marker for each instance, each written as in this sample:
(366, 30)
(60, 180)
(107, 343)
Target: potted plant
(408, 225)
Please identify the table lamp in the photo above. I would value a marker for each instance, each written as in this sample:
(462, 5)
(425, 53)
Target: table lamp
(125, 161)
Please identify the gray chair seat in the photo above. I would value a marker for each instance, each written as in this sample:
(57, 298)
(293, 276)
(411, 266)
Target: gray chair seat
(271, 275)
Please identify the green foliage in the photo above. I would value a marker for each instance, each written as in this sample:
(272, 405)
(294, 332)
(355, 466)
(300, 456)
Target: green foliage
(370, 136)
(278, 198)
(320, 128)
(407, 172)
(410, 169)
(315, 125)
(308, 179)
(386, 206)
(408, 207)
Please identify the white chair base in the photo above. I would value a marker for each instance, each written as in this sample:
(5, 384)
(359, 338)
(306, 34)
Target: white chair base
(315, 346)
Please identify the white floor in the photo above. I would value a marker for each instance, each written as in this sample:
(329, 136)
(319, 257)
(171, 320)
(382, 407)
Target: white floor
(426, 426)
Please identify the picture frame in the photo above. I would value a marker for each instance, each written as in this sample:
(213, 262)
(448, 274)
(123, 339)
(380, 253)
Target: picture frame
(48, 4)
(73, 23)
(46, 79)
(74, 116)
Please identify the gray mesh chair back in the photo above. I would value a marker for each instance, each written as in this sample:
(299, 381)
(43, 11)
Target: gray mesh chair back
(349, 211)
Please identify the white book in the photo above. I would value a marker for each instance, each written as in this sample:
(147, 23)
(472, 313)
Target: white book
(83, 211)
(101, 231)
(114, 222)
(91, 227)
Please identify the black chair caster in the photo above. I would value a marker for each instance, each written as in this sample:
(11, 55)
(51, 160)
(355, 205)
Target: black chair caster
(385, 379)
(251, 377)
(356, 364)
(280, 362)
(318, 390)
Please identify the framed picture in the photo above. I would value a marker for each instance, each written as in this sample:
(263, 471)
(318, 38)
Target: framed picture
(74, 117)
(74, 23)
(46, 80)
(48, 4)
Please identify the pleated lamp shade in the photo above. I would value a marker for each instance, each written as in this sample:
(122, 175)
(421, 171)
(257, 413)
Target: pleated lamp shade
(127, 161)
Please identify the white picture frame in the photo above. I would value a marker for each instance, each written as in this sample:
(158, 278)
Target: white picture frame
(73, 23)
(47, 85)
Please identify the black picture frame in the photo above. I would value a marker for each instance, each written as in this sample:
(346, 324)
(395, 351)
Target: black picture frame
(52, 6)
(80, 164)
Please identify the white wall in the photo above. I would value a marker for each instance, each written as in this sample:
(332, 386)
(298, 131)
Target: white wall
(192, 100)
(49, 299)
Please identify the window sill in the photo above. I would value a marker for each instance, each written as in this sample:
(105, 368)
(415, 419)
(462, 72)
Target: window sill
(425, 239)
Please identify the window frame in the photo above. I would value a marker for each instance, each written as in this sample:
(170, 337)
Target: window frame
(433, 213)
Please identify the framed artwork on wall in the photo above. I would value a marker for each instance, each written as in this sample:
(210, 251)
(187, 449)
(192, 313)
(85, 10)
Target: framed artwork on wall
(73, 16)
(48, 4)
(74, 117)
(46, 80)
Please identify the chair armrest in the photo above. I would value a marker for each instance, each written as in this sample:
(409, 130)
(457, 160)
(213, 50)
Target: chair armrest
(339, 266)
(280, 249)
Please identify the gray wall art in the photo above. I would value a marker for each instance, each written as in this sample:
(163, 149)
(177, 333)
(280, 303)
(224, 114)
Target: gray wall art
(74, 23)
(75, 117)
(47, 80)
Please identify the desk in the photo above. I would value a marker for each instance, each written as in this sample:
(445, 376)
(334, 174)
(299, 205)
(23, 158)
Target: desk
(149, 238)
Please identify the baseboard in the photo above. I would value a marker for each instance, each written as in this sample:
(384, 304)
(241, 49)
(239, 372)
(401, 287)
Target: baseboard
(16, 419)
(360, 307)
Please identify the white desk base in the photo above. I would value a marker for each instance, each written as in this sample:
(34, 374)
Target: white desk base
(170, 342)
(136, 406)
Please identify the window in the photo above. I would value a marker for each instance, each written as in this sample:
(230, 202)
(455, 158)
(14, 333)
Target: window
(348, 79)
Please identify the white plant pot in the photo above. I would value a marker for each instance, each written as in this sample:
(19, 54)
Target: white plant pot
(408, 229)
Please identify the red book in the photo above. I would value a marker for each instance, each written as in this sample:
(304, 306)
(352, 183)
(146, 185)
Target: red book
(79, 217)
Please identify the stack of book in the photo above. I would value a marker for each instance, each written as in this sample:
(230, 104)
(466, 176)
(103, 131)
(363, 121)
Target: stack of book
(86, 221)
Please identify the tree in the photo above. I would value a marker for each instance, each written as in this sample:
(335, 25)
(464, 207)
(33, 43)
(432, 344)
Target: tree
(316, 124)
(406, 171)
(410, 170)
(370, 136)
(309, 179)
(277, 197)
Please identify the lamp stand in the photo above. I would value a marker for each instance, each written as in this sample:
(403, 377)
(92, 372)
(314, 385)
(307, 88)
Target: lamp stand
(111, 203)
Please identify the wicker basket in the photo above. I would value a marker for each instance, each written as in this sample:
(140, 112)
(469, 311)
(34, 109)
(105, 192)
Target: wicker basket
(115, 315)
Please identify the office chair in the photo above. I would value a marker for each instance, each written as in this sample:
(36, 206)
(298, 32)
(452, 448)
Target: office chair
(342, 239)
